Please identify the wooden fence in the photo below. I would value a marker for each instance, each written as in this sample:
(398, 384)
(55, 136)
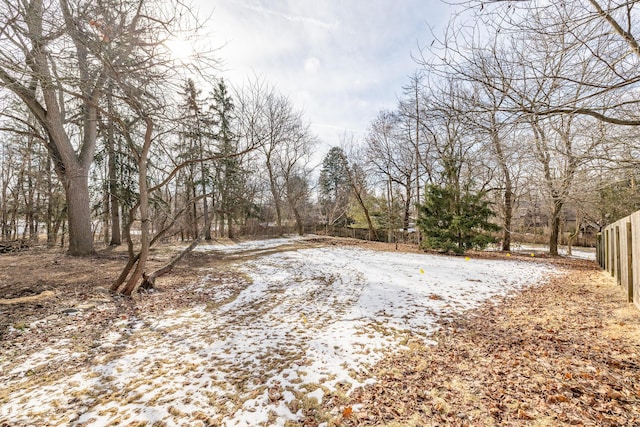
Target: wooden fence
(618, 252)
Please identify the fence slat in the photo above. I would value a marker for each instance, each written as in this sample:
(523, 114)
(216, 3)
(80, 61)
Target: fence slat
(629, 262)
(619, 254)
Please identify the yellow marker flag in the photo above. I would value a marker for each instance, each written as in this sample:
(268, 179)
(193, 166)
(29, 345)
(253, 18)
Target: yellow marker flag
(532, 254)
(421, 271)
(467, 258)
(508, 255)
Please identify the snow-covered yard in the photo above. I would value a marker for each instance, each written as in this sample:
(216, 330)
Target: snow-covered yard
(273, 339)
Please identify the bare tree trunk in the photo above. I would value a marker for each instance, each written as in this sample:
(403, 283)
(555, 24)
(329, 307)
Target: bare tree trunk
(76, 186)
(357, 191)
(205, 212)
(230, 225)
(274, 192)
(574, 234)
(555, 227)
(145, 239)
(51, 236)
(508, 214)
(298, 218)
(4, 184)
(390, 215)
(149, 281)
(407, 210)
(194, 208)
(106, 206)
(296, 212)
(365, 210)
(416, 81)
(114, 203)
(508, 187)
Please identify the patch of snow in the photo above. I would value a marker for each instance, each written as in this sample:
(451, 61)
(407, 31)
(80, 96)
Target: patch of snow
(576, 251)
(317, 394)
(307, 322)
(249, 245)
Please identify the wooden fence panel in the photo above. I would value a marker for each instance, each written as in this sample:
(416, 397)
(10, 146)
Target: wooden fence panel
(619, 254)
(635, 236)
(629, 261)
(622, 253)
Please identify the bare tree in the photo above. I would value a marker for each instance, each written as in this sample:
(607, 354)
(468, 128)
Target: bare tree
(354, 158)
(47, 62)
(392, 153)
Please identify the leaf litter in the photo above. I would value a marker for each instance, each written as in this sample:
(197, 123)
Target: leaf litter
(296, 332)
(560, 354)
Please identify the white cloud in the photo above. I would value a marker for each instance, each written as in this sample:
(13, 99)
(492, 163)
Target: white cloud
(340, 61)
(290, 17)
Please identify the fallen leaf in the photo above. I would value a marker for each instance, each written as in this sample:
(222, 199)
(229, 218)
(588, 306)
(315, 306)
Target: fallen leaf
(557, 398)
(523, 415)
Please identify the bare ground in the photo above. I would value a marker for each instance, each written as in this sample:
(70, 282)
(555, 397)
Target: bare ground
(564, 353)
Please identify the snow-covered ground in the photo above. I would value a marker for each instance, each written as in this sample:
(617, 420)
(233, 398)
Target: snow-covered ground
(292, 327)
(249, 245)
(576, 252)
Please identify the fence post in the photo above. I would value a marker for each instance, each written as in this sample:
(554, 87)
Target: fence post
(618, 276)
(607, 251)
(629, 263)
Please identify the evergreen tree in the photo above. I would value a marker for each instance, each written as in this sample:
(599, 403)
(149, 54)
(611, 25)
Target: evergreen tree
(196, 137)
(334, 188)
(454, 220)
(230, 177)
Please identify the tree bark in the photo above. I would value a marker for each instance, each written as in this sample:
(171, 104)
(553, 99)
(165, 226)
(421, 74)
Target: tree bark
(298, 218)
(145, 239)
(357, 191)
(230, 225)
(274, 191)
(76, 187)
(149, 281)
(407, 209)
(508, 214)
(114, 203)
(46, 104)
(508, 186)
(573, 235)
(555, 227)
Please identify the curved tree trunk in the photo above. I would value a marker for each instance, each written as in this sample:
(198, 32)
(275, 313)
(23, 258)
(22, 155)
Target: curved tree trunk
(145, 231)
(149, 281)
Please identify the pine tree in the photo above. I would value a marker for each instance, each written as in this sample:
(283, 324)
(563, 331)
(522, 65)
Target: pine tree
(334, 188)
(195, 146)
(230, 177)
(454, 221)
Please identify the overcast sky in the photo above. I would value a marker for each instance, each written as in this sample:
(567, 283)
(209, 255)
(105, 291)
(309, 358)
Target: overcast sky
(340, 61)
